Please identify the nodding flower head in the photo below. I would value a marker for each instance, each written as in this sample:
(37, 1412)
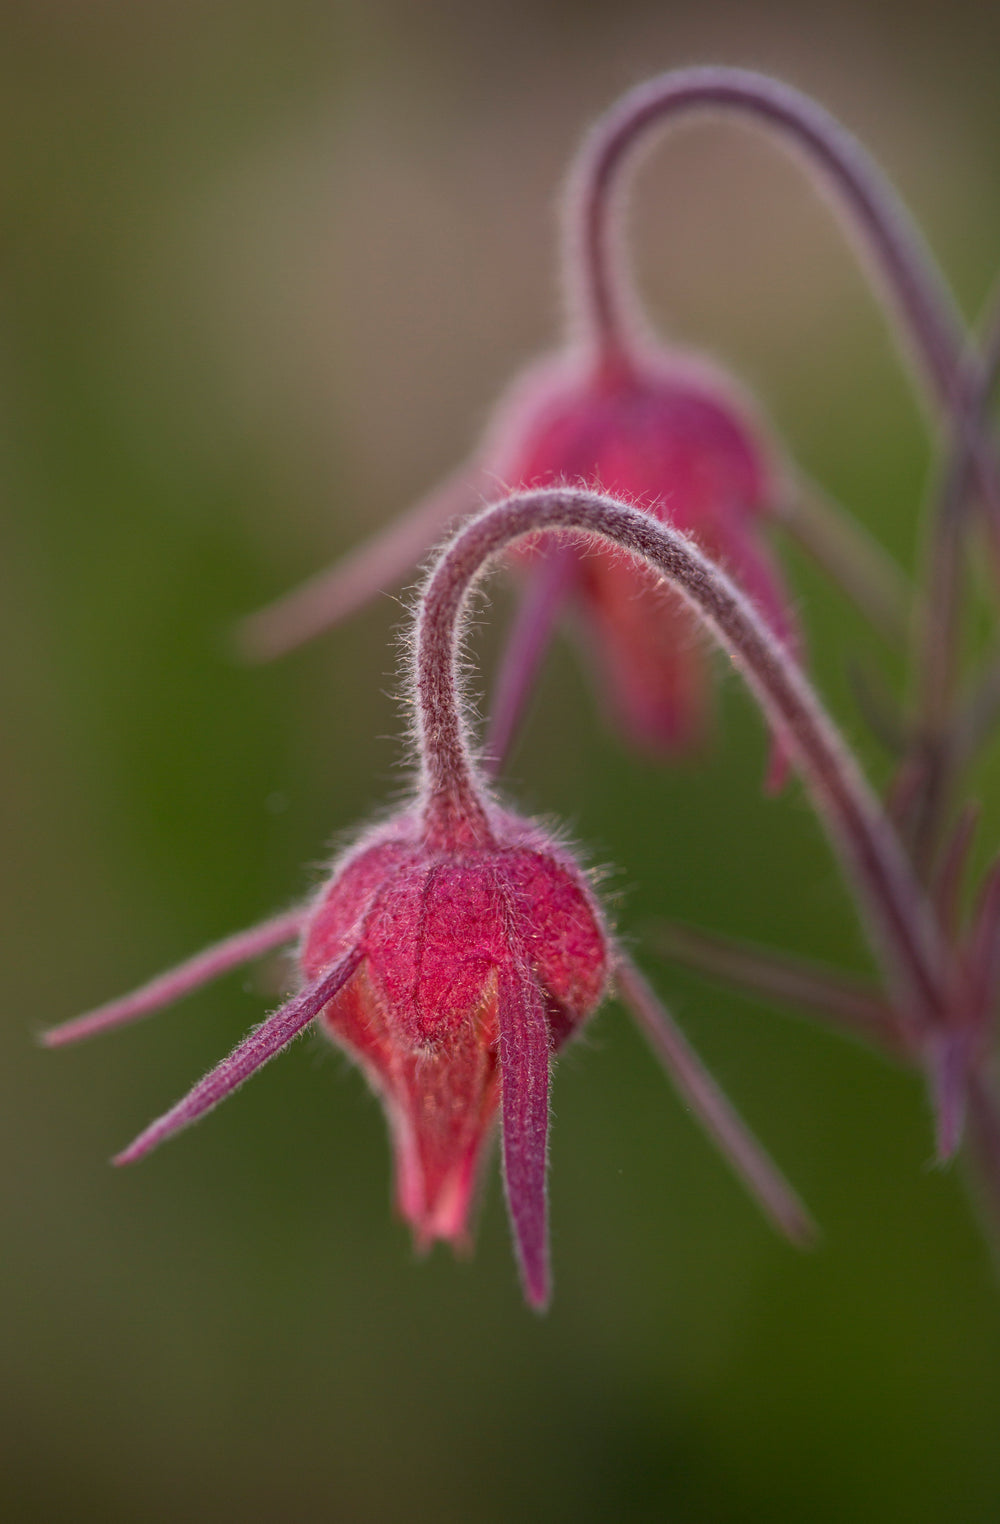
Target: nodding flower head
(477, 961)
(671, 435)
(456, 947)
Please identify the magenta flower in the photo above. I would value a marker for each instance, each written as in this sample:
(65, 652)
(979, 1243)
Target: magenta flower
(672, 436)
(481, 952)
(452, 953)
(450, 960)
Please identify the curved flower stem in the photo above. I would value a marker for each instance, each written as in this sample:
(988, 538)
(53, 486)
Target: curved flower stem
(525, 651)
(874, 211)
(903, 930)
(205, 966)
(721, 1122)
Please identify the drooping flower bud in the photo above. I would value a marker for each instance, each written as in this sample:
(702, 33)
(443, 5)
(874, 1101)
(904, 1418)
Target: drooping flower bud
(456, 947)
(673, 436)
(475, 965)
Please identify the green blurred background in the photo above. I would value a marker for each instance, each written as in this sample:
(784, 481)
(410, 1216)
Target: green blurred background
(266, 267)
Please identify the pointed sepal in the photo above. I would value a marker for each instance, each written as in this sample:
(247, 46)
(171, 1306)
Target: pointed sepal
(524, 1070)
(262, 1044)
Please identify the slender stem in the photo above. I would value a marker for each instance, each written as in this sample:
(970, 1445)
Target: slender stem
(713, 1110)
(601, 297)
(454, 807)
(957, 380)
(525, 651)
(874, 210)
(903, 930)
(209, 964)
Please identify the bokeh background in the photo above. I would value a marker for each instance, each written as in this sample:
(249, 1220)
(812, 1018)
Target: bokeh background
(266, 267)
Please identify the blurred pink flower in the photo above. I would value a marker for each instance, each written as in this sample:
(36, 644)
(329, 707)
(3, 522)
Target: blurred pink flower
(671, 435)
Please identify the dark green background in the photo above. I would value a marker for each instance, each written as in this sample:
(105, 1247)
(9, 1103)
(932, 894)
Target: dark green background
(266, 267)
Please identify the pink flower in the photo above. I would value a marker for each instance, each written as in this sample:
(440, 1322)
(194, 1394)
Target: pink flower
(450, 963)
(671, 435)
(452, 952)
(476, 963)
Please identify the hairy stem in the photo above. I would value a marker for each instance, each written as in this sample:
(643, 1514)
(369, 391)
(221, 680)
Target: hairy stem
(874, 210)
(903, 930)
(930, 321)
